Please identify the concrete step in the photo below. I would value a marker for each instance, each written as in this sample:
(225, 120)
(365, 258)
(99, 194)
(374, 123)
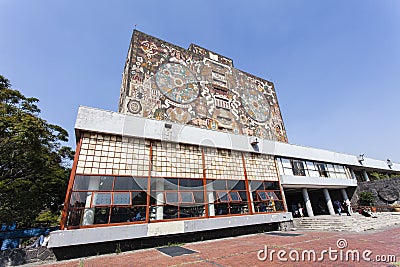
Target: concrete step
(356, 222)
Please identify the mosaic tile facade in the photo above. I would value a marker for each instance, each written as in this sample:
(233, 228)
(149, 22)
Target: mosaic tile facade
(223, 164)
(103, 154)
(260, 167)
(112, 155)
(197, 87)
(176, 160)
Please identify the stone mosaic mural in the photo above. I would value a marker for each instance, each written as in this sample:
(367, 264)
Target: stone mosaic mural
(198, 87)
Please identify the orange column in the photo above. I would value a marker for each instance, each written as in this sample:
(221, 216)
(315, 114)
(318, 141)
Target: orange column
(247, 186)
(63, 221)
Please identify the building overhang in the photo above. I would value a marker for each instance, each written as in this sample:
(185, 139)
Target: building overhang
(103, 121)
(290, 181)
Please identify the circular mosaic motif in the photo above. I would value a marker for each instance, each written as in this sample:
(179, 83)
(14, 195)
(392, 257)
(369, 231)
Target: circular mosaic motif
(177, 83)
(255, 105)
(134, 106)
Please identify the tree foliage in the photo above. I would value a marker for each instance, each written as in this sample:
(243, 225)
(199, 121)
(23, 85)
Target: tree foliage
(33, 169)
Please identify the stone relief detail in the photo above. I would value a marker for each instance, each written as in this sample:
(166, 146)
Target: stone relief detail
(134, 106)
(197, 87)
(177, 83)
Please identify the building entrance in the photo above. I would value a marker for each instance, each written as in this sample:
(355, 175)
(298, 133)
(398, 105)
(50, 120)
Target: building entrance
(295, 199)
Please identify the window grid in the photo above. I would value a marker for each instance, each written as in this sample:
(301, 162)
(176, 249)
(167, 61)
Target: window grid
(296, 167)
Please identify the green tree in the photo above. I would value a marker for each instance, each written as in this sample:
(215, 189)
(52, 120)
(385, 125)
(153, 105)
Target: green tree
(34, 166)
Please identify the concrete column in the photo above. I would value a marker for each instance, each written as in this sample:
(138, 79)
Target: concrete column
(353, 175)
(329, 202)
(251, 198)
(88, 213)
(345, 198)
(159, 199)
(210, 196)
(344, 194)
(308, 202)
(365, 176)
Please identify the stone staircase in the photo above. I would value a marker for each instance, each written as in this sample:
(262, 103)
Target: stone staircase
(355, 223)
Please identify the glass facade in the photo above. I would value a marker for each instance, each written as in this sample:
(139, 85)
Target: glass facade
(137, 181)
(117, 199)
(107, 199)
(297, 167)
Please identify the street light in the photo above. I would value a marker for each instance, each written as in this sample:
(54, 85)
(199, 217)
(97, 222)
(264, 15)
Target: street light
(360, 158)
(389, 163)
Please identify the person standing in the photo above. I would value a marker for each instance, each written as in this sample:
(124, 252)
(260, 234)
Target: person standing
(347, 204)
(301, 210)
(338, 207)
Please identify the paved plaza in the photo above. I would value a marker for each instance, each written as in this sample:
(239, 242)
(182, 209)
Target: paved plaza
(268, 249)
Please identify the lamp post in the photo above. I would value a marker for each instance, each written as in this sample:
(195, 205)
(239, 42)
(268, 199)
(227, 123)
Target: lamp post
(389, 163)
(360, 158)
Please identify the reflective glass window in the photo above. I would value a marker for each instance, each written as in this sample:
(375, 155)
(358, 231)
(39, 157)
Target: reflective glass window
(187, 197)
(122, 199)
(101, 199)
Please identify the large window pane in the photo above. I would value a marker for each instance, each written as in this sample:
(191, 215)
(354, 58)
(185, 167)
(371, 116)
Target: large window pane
(278, 195)
(219, 185)
(286, 163)
(171, 184)
(139, 198)
(256, 185)
(101, 199)
(280, 167)
(121, 214)
(263, 195)
(223, 196)
(322, 169)
(310, 165)
(101, 215)
(239, 185)
(298, 168)
(78, 199)
(93, 183)
(190, 183)
(330, 168)
(221, 209)
(187, 197)
(271, 185)
(122, 199)
(171, 212)
(232, 184)
(234, 196)
(272, 196)
(198, 196)
(172, 198)
(243, 195)
(81, 182)
(74, 216)
(129, 183)
(106, 183)
(156, 182)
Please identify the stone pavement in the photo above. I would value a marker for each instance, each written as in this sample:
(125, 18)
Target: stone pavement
(246, 250)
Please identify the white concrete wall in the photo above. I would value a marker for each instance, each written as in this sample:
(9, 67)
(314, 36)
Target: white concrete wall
(62, 238)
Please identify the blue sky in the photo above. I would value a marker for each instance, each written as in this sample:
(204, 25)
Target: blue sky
(335, 64)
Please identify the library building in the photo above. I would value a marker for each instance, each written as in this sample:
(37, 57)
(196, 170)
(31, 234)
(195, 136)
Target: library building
(196, 147)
